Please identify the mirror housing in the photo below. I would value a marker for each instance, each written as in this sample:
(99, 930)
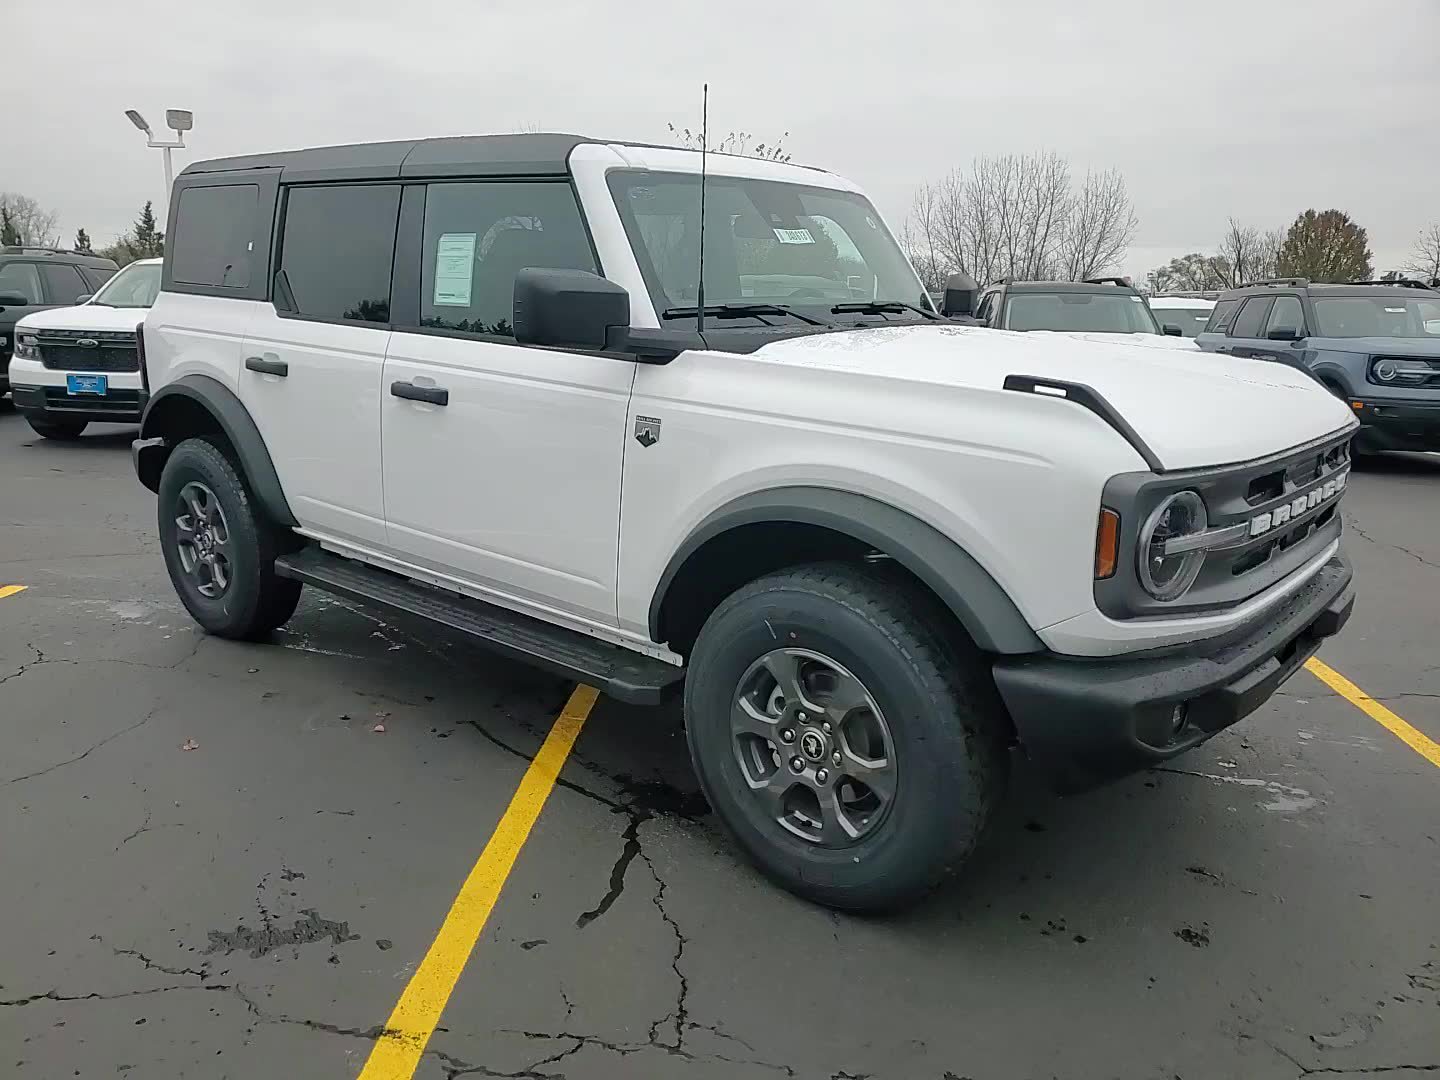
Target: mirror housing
(569, 309)
(1284, 333)
(1171, 330)
(84, 296)
(960, 290)
(13, 299)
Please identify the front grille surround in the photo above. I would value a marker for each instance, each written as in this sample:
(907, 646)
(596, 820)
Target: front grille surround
(113, 351)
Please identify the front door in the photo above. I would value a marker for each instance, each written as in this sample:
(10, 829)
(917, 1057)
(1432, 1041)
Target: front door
(501, 462)
(313, 357)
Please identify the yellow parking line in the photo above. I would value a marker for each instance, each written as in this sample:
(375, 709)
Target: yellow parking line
(398, 1050)
(1412, 737)
(11, 590)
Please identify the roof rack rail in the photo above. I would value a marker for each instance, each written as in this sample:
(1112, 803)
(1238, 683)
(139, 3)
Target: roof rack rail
(1292, 282)
(1399, 283)
(1108, 281)
(36, 249)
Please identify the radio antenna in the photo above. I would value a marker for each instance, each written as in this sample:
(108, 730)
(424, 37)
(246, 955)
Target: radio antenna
(704, 145)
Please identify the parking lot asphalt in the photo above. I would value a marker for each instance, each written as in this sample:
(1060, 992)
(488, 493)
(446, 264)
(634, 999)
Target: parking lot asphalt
(215, 863)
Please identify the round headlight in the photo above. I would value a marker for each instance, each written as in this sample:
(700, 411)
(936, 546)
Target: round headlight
(1386, 370)
(1167, 577)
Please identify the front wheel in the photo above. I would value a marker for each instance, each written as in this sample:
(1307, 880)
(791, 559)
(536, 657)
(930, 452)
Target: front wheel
(220, 551)
(52, 428)
(851, 746)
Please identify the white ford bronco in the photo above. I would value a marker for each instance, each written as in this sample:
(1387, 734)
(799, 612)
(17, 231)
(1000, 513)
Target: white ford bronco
(478, 380)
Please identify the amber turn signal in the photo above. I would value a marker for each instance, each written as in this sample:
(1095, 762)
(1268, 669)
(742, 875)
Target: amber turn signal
(1107, 544)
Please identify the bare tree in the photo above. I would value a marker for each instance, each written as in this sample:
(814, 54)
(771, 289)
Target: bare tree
(33, 224)
(1425, 255)
(1188, 273)
(1098, 228)
(921, 238)
(734, 142)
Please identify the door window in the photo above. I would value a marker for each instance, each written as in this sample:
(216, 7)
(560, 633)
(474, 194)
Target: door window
(337, 252)
(63, 283)
(21, 278)
(1287, 312)
(1251, 318)
(214, 236)
(478, 236)
(1222, 316)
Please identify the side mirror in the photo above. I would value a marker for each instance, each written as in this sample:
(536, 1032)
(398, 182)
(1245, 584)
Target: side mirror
(1171, 330)
(83, 297)
(13, 299)
(960, 290)
(569, 309)
(1284, 333)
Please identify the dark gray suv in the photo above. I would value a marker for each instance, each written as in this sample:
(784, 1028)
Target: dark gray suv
(1374, 343)
(35, 278)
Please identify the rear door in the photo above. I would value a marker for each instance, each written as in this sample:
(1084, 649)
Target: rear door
(313, 356)
(63, 284)
(1247, 331)
(1286, 314)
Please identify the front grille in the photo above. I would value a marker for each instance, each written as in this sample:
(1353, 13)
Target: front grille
(114, 350)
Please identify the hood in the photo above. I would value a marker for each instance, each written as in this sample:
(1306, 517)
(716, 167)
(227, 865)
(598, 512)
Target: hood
(83, 317)
(1193, 409)
(1381, 346)
(1157, 341)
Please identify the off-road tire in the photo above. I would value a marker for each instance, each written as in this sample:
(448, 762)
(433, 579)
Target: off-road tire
(943, 712)
(256, 600)
(54, 428)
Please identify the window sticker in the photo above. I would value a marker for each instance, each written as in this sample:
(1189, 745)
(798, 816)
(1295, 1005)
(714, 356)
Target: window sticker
(794, 236)
(454, 269)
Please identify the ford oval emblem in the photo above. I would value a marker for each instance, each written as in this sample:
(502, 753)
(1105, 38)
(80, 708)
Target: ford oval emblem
(87, 343)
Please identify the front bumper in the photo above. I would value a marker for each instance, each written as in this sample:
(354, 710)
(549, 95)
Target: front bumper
(1400, 426)
(1088, 721)
(119, 406)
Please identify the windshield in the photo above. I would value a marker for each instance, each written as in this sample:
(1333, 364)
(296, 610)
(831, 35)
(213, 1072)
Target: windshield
(134, 287)
(765, 243)
(1190, 320)
(1377, 316)
(1105, 313)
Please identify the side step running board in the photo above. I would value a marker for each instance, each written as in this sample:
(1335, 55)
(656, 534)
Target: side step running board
(622, 674)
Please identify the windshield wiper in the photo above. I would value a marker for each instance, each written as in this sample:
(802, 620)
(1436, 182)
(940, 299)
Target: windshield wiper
(739, 311)
(880, 307)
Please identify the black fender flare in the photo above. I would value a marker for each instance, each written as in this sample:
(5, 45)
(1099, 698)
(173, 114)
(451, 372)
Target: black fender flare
(977, 600)
(1330, 374)
(239, 427)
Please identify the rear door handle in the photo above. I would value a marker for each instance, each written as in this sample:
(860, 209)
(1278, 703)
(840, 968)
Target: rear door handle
(433, 395)
(1224, 348)
(267, 367)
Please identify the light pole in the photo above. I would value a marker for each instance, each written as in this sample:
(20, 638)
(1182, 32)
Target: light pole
(178, 121)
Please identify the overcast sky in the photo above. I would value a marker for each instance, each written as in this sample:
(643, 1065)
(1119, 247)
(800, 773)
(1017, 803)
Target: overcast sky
(1257, 109)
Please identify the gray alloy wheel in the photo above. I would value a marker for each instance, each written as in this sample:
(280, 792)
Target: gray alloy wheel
(203, 540)
(813, 747)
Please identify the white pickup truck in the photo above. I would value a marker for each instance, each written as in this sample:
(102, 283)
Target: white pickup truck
(477, 380)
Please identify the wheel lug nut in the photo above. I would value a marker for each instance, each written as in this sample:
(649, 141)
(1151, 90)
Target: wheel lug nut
(822, 776)
(835, 758)
(826, 727)
(787, 734)
(800, 717)
(797, 764)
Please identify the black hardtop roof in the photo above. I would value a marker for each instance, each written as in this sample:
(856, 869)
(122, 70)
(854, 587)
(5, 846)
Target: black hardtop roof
(461, 155)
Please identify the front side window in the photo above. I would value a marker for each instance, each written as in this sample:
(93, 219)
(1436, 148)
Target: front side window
(214, 236)
(21, 278)
(1286, 314)
(1222, 316)
(1377, 316)
(63, 284)
(136, 286)
(1251, 319)
(337, 252)
(766, 242)
(1104, 313)
(1191, 320)
(478, 236)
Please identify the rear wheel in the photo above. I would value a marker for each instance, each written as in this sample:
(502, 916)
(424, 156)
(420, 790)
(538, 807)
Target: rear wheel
(53, 428)
(220, 551)
(850, 745)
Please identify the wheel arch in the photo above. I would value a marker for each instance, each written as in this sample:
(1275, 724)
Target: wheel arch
(200, 405)
(765, 531)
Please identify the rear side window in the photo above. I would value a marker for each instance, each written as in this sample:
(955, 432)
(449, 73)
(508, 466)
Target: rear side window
(22, 278)
(478, 236)
(1251, 318)
(214, 236)
(1287, 312)
(1222, 316)
(63, 283)
(95, 276)
(338, 251)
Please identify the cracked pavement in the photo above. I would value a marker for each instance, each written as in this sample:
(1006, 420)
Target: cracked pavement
(254, 906)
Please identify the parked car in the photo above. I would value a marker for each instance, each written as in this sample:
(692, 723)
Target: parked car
(76, 365)
(876, 548)
(35, 278)
(1099, 305)
(1375, 344)
(1189, 313)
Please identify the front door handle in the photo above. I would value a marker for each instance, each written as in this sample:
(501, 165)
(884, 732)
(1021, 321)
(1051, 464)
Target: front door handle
(267, 367)
(433, 395)
(1225, 348)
